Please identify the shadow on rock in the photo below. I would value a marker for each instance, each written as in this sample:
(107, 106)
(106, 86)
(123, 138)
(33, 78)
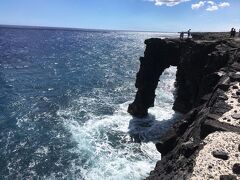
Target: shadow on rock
(149, 129)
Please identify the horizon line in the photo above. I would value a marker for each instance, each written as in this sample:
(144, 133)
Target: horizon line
(39, 27)
(73, 28)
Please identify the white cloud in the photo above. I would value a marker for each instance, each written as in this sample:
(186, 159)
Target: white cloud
(224, 4)
(198, 5)
(210, 5)
(212, 8)
(168, 2)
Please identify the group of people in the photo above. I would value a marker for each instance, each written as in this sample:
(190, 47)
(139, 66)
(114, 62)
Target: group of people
(233, 32)
(188, 34)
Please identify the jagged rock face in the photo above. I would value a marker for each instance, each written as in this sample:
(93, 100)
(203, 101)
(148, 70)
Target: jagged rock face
(207, 91)
(196, 63)
(157, 58)
(215, 109)
(193, 74)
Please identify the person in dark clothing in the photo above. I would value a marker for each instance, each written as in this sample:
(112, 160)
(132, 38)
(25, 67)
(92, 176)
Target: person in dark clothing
(189, 33)
(181, 35)
(233, 32)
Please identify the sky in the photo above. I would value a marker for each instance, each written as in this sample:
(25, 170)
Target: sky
(148, 15)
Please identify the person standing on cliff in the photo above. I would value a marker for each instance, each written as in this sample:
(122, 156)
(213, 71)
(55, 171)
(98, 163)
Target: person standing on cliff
(181, 35)
(189, 33)
(233, 32)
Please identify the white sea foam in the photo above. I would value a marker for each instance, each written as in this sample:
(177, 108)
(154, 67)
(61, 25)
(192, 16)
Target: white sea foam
(111, 159)
(105, 144)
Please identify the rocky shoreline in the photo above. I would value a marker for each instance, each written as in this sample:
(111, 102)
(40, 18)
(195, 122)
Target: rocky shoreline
(205, 143)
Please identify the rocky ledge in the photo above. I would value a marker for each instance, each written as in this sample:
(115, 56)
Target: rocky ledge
(205, 143)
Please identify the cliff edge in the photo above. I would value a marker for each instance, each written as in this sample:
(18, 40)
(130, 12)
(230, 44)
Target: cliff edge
(205, 143)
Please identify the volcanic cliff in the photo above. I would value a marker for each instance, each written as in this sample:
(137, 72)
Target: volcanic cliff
(205, 143)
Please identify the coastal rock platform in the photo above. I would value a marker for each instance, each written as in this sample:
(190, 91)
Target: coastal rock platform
(205, 143)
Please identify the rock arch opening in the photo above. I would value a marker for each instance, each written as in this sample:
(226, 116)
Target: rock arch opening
(159, 55)
(196, 63)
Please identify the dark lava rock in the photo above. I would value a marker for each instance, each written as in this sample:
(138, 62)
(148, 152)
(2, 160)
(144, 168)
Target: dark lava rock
(223, 97)
(205, 71)
(236, 66)
(167, 143)
(220, 154)
(238, 93)
(224, 87)
(228, 177)
(224, 83)
(235, 77)
(219, 107)
(209, 35)
(236, 168)
(235, 87)
(213, 116)
(210, 167)
(239, 147)
(236, 116)
(137, 110)
(188, 149)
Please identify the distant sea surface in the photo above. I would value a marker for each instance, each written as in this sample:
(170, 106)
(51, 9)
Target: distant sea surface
(63, 105)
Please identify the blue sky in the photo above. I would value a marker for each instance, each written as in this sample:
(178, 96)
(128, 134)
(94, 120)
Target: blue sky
(154, 15)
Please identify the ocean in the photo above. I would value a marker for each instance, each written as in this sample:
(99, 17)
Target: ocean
(63, 105)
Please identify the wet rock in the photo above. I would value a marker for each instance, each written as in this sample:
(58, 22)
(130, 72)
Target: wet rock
(236, 116)
(228, 177)
(220, 155)
(236, 168)
(137, 110)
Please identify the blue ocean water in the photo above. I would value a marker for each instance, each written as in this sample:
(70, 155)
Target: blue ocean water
(63, 101)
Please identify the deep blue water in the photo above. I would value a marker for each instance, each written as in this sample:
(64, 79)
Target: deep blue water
(63, 102)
